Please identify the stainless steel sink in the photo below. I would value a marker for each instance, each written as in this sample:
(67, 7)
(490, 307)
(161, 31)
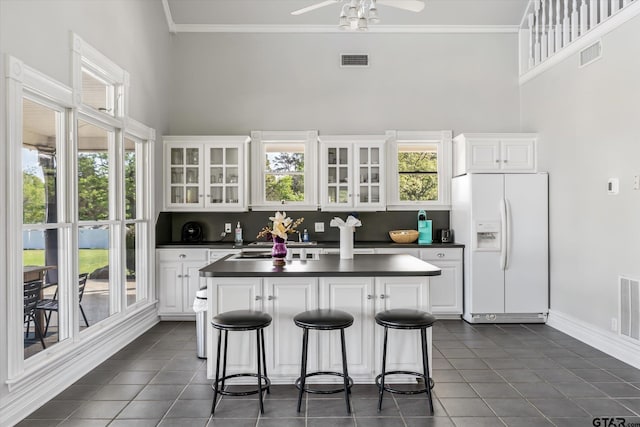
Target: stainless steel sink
(291, 244)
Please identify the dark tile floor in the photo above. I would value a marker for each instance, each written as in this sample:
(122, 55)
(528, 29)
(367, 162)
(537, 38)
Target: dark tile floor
(486, 375)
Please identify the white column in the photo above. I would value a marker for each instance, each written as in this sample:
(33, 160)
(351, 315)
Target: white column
(566, 26)
(593, 13)
(532, 41)
(604, 10)
(625, 2)
(544, 46)
(615, 6)
(537, 51)
(575, 20)
(558, 26)
(552, 30)
(584, 17)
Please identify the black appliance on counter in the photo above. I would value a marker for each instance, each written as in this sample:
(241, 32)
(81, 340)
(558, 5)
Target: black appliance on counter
(192, 232)
(446, 236)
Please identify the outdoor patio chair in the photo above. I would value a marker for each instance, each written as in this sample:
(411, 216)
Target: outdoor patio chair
(31, 298)
(51, 304)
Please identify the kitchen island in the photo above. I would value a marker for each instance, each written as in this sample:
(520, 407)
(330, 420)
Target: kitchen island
(361, 286)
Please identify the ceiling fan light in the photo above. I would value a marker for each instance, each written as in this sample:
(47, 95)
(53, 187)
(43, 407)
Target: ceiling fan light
(362, 24)
(352, 13)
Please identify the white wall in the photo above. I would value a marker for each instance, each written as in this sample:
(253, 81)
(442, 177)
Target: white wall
(132, 33)
(588, 121)
(235, 83)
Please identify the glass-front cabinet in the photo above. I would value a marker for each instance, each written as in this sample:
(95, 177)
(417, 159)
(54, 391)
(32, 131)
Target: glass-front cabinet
(207, 172)
(352, 172)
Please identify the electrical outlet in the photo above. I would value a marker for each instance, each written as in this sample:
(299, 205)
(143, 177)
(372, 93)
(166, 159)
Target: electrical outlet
(614, 324)
(319, 227)
(636, 182)
(227, 227)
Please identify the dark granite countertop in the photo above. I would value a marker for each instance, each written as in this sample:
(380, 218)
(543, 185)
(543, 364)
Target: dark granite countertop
(326, 266)
(382, 244)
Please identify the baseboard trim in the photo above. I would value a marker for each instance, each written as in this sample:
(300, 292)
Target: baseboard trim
(31, 395)
(603, 340)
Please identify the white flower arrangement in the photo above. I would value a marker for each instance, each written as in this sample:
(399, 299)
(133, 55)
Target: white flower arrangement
(282, 226)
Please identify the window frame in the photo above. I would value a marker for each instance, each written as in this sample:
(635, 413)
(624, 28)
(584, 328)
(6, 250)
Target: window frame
(259, 139)
(442, 140)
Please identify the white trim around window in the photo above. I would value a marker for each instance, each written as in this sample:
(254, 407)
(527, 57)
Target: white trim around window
(442, 139)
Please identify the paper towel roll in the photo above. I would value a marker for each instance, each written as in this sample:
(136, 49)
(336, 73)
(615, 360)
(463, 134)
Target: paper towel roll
(346, 242)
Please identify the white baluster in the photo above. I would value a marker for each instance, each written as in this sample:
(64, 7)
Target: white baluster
(537, 54)
(551, 32)
(558, 26)
(615, 6)
(604, 10)
(532, 41)
(593, 13)
(575, 24)
(566, 29)
(544, 47)
(584, 17)
(625, 3)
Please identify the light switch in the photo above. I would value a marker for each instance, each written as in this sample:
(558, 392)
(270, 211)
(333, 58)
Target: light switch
(319, 227)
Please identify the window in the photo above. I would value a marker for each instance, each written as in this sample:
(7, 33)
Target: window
(43, 254)
(420, 169)
(284, 165)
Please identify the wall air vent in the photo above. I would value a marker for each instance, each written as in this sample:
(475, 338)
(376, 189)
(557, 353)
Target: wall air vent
(629, 307)
(590, 54)
(354, 60)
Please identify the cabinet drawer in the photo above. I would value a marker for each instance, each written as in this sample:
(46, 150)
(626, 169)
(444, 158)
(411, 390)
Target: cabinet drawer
(182, 255)
(441, 254)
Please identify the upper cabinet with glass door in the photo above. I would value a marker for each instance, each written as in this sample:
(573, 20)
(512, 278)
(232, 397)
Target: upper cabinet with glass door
(206, 172)
(352, 172)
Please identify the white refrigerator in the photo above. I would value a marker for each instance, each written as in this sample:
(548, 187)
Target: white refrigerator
(502, 219)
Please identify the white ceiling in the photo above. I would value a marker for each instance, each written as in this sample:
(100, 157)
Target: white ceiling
(277, 13)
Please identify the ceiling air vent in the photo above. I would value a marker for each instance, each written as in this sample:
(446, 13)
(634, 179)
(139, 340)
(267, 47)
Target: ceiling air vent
(354, 60)
(590, 54)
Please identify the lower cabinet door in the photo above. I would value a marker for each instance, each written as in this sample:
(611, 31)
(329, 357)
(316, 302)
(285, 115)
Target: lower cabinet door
(446, 289)
(233, 294)
(355, 296)
(404, 348)
(192, 279)
(170, 291)
(284, 298)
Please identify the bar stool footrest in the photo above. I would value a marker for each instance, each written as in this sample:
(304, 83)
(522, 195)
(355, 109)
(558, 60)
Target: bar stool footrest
(266, 383)
(398, 391)
(332, 391)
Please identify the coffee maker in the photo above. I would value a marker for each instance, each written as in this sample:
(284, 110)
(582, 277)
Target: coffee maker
(425, 233)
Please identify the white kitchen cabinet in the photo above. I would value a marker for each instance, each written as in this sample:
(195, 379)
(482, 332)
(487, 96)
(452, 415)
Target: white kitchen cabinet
(446, 289)
(206, 173)
(363, 297)
(352, 172)
(494, 153)
(178, 281)
(280, 297)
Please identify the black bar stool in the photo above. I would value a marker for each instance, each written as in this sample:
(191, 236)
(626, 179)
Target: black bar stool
(405, 319)
(323, 320)
(241, 320)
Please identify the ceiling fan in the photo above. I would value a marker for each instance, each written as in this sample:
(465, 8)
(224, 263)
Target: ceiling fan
(356, 14)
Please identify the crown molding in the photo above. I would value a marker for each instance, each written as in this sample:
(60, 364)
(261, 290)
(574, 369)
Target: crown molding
(168, 16)
(409, 29)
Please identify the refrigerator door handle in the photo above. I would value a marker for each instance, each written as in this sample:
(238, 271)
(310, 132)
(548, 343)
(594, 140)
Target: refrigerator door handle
(507, 239)
(503, 234)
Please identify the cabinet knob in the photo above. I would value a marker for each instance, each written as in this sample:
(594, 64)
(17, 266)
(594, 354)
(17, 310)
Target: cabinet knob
(258, 297)
(440, 255)
(185, 276)
(182, 256)
(382, 296)
(504, 161)
(369, 296)
(271, 297)
(497, 160)
(180, 276)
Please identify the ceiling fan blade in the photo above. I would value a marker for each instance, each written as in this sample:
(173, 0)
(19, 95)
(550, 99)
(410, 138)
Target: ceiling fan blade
(314, 7)
(411, 5)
